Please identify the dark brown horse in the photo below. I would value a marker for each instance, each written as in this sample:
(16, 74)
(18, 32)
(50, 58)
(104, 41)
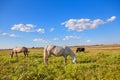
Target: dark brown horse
(80, 50)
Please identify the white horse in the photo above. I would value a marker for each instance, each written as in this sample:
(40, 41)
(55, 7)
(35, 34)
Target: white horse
(58, 51)
(17, 50)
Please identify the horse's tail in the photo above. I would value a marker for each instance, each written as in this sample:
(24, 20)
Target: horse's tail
(45, 56)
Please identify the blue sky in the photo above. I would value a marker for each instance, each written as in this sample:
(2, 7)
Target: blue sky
(60, 22)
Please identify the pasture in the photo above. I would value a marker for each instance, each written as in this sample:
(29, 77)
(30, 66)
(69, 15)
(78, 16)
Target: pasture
(97, 63)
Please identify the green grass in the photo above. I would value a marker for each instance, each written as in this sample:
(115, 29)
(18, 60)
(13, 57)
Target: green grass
(91, 65)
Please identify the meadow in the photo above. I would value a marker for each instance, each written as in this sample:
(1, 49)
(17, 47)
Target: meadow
(96, 63)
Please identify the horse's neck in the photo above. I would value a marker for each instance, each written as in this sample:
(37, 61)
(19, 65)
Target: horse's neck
(72, 55)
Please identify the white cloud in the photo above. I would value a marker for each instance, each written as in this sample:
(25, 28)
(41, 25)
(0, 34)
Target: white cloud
(23, 27)
(70, 37)
(27, 28)
(111, 19)
(30, 25)
(12, 35)
(8, 34)
(4, 34)
(85, 23)
(55, 39)
(82, 24)
(40, 30)
(88, 41)
(52, 29)
(40, 40)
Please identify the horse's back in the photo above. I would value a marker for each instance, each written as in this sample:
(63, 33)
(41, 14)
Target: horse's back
(20, 49)
(53, 47)
(49, 47)
(55, 50)
(24, 49)
(58, 51)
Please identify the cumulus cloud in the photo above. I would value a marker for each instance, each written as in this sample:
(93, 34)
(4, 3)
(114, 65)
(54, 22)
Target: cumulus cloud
(70, 37)
(55, 39)
(23, 27)
(40, 30)
(4, 34)
(52, 29)
(88, 41)
(111, 19)
(8, 34)
(27, 28)
(12, 35)
(85, 23)
(40, 40)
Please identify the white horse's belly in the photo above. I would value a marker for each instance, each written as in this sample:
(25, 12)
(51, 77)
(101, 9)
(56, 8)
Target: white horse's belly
(58, 52)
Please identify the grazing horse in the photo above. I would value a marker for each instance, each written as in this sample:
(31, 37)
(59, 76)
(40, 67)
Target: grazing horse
(80, 50)
(17, 50)
(58, 51)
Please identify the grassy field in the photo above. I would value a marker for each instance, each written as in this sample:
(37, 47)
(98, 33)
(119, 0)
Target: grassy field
(97, 63)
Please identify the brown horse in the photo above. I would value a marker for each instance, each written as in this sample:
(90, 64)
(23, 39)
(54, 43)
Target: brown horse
(58, 51)
(17, 50)
(80, 50)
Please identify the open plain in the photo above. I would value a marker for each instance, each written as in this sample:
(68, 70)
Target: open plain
(100, 62)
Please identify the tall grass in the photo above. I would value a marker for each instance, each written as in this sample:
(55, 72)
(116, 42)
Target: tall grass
(91, 65)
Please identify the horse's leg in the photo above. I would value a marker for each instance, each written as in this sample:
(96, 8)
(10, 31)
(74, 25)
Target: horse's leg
(48, 55)
(76, 51)
(24, 54)
(45, 58)
(16, 54)
(27, 53)
(12, 54)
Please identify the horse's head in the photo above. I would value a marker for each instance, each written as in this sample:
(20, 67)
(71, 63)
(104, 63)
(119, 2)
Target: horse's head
(74, 59)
